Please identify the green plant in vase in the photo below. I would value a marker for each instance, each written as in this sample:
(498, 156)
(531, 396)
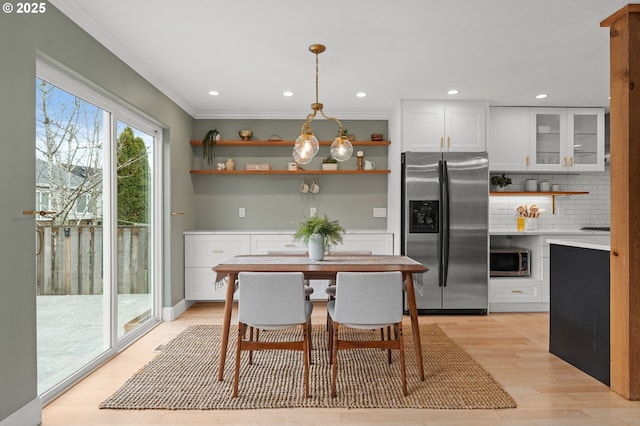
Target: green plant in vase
(500, 182)
(209, 145)
(319, 233)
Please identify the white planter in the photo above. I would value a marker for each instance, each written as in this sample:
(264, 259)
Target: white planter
(329, 166)
(316, 247)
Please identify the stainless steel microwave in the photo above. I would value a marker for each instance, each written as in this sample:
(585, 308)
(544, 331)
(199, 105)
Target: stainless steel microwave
(510, 262)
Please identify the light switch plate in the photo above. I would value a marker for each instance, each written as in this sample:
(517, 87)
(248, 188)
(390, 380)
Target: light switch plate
(379, 212)
(241, 212)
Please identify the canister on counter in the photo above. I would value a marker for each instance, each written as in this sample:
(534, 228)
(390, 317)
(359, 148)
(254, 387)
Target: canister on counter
(531, 185)
(544, 186)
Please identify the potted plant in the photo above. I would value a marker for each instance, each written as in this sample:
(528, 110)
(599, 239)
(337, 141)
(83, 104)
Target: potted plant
(500, 182)
(329, 163)
(319, 233)
(209, 145)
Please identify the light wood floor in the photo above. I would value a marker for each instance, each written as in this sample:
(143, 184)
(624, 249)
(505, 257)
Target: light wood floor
(512, 347)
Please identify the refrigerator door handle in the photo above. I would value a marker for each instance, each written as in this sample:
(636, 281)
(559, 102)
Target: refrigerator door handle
(444, 182)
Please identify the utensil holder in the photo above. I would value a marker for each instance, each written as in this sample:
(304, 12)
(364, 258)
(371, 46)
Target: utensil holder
(530, 223)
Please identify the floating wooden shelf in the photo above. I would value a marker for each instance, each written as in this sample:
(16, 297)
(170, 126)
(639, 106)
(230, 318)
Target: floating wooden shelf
(551, 194)
(285, 143)
(287, 172)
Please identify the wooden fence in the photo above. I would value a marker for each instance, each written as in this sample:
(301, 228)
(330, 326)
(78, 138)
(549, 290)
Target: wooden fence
(69, 259)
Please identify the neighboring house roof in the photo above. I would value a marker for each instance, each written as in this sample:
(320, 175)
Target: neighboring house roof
(61, 177)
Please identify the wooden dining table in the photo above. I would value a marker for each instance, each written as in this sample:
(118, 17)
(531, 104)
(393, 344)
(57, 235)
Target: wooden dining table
(325, 269)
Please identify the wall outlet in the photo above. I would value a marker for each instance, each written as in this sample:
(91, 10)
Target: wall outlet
(241, 212)
(379, 212)
(312, 211)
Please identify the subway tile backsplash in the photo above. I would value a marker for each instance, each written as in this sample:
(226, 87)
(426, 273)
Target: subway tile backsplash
(572, 211)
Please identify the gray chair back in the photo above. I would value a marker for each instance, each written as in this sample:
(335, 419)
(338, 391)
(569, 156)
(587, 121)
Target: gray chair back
(368, 299)
(271, 299)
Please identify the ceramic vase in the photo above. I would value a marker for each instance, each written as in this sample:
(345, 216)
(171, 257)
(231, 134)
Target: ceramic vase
(316, 247)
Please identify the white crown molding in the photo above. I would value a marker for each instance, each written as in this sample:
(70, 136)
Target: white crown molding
(285, 115)
(73, 10)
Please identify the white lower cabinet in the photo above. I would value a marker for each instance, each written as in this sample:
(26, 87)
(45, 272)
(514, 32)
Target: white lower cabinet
(515, 290)
(521, 294)
(203, 250)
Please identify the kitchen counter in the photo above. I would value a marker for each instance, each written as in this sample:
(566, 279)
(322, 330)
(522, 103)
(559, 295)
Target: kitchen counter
(278, 232)
(595, 242)
(576, 232)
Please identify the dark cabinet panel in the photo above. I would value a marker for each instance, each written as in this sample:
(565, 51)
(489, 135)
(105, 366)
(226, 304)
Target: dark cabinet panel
(579, 309)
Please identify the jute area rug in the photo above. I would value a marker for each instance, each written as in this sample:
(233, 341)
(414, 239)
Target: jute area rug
(184, 376)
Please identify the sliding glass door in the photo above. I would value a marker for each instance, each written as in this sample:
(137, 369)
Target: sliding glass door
(72, 298)
(135, 200)
(97, 216)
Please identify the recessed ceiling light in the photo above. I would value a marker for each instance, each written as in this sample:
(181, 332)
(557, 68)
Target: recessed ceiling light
(287, 93)
(453, 92)
(361, 94)
(213, 93)
(541, 96)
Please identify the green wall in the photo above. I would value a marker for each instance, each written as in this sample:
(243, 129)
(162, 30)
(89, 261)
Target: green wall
(273, 202)
(53, 35)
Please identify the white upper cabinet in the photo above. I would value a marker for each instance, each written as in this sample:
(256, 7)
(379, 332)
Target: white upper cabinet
(546, 139)
(567, 139)
(508, 144)
(586, 139)
(436, 126)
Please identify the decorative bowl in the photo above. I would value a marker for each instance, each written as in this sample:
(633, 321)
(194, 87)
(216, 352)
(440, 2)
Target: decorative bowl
(245, 134)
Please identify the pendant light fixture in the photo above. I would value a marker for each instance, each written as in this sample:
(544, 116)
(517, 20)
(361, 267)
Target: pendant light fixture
(307, 145)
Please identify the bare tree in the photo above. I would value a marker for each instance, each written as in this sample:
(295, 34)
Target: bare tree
(70, 135)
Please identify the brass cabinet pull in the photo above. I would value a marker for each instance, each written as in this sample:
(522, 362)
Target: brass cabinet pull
(526, 161)
(564, 161)
(448, 141)
(517, 291)
(35, 212)
(571, 161)
(177, 213)
(442, 142)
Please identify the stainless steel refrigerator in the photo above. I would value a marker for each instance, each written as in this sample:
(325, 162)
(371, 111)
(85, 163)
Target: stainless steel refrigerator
(445, 210)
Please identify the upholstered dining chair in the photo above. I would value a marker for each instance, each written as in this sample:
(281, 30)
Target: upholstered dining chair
(366, 300)
(308, 290)
(331, 288)
(272, 301)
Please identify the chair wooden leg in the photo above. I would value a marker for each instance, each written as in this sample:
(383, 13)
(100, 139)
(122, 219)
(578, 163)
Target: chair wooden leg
(308, 331)
(402, 363)
(251, 340)
(330, 340)
(334, 356)
(236, 377)
(389, 350)
(306, 354)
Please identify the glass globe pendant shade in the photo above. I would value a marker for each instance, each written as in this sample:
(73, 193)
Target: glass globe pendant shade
(341, 149)
(305, 148)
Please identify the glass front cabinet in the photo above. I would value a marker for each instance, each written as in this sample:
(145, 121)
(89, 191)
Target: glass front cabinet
(566, 139)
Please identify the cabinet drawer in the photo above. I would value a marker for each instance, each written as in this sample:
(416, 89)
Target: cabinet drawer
(511, 291)
(261, 244)
(209, 250)
(377, 243)
(199, 284)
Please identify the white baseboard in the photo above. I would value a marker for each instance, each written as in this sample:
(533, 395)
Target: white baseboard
(172, 313)
(28, 415)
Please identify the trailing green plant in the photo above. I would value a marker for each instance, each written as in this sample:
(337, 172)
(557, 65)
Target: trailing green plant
(329, 160)
(209, 145)
(331, 230)
(501, 181)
